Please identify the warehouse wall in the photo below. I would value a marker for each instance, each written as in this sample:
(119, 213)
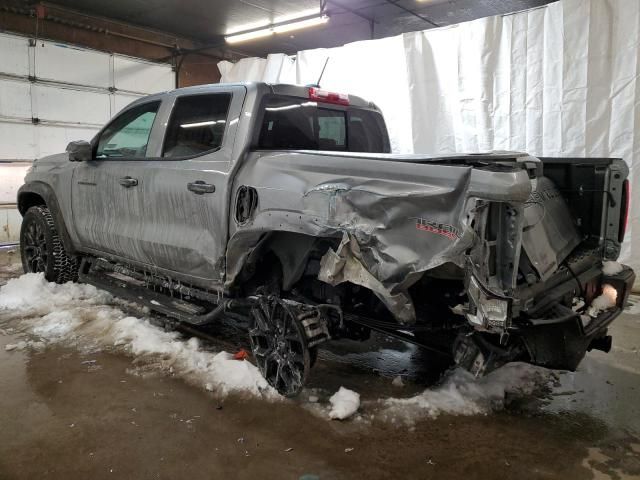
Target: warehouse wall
(54, 23)
(52, 93)
(63, 74)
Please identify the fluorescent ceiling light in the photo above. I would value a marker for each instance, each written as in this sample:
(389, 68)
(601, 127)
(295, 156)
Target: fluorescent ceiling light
(248, 26)
(310, 22)
(243, 37)
(281, 24)
(292, 16)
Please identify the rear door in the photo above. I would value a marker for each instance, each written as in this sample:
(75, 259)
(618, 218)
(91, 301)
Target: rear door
(185, 185)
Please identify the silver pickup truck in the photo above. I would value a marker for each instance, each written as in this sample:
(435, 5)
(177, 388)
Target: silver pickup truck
(282, 206)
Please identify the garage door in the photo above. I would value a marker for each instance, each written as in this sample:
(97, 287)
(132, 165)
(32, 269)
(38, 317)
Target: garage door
(51, 94)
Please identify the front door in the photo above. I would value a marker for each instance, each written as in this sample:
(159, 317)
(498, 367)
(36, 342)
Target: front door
(106, 195)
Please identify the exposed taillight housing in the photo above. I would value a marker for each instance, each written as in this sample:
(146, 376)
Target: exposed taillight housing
(624, 213)
(320, 95)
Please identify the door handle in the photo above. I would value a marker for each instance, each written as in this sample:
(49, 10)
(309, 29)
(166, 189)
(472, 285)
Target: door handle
(200, 187)
(128, 182)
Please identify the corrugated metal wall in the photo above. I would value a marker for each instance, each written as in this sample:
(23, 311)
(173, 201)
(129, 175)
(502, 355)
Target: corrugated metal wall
(53, 93)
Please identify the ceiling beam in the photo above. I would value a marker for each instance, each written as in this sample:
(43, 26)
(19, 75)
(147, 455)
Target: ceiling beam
(351, 10)
(415, 14)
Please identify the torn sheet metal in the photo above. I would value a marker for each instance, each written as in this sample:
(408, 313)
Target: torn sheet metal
(395, 217)
(345, 265)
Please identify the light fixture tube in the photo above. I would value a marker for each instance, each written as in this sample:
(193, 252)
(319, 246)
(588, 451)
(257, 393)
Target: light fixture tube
(310, 22)
(243, 37)
(275, 28)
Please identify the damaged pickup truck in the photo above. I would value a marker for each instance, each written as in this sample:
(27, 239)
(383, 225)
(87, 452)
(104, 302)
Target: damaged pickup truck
(281, 205)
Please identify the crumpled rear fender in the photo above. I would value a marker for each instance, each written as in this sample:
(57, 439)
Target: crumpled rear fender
(394, 220)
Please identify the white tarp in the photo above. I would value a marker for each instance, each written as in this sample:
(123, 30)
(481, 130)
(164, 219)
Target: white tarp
(562, 80)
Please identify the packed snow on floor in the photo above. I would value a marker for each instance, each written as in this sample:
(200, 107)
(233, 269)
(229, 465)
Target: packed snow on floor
(83, 316)
(460, 393)
(344, 403)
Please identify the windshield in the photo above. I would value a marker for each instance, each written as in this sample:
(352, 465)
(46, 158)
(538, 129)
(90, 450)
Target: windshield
(291, 123)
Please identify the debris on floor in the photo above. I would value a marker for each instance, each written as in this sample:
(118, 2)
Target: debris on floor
(241, 354)
(344, 403)
(15, 346)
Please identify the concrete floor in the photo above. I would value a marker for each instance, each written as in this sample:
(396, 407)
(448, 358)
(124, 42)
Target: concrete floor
(62, 418)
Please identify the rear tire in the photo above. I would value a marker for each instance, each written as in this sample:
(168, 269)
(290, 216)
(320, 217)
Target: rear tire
(42, 250)
(279, 345)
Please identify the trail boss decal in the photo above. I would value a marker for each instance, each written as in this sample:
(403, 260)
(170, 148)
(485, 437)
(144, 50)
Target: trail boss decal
(446, 230)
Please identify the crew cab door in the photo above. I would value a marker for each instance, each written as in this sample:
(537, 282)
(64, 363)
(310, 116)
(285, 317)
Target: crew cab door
(185, 186)
(106, 201)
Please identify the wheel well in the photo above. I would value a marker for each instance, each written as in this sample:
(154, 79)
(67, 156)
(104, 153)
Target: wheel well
(289, 252)
(39, 193)
(27, 200)
(266, 273)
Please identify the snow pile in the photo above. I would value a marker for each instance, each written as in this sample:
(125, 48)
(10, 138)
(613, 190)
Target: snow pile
(30, 294)
(79, 315)
(611, 268)
(603, 302)
(462, 394)
(344, 403)
(219, 370)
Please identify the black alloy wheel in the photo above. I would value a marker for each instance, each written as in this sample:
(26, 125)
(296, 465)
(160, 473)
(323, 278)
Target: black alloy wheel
(279, 345)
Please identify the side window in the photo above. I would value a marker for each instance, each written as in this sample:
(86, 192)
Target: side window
(128, 135)
(197, 125)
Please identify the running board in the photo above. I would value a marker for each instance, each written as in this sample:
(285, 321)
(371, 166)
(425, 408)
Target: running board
(133, 290)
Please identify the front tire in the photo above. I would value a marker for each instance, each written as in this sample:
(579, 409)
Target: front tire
(42, 250)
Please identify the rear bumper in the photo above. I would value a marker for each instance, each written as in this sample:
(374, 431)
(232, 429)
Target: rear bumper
(561, 342)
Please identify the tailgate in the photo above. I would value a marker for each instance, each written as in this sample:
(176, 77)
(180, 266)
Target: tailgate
(549, 232)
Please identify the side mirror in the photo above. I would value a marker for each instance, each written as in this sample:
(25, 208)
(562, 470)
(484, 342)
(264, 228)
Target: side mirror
(79, 151)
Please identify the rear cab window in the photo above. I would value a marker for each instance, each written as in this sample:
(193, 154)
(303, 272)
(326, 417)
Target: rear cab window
(293, 123)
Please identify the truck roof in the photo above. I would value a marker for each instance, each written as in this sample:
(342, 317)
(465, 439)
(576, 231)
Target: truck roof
(257, 87)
